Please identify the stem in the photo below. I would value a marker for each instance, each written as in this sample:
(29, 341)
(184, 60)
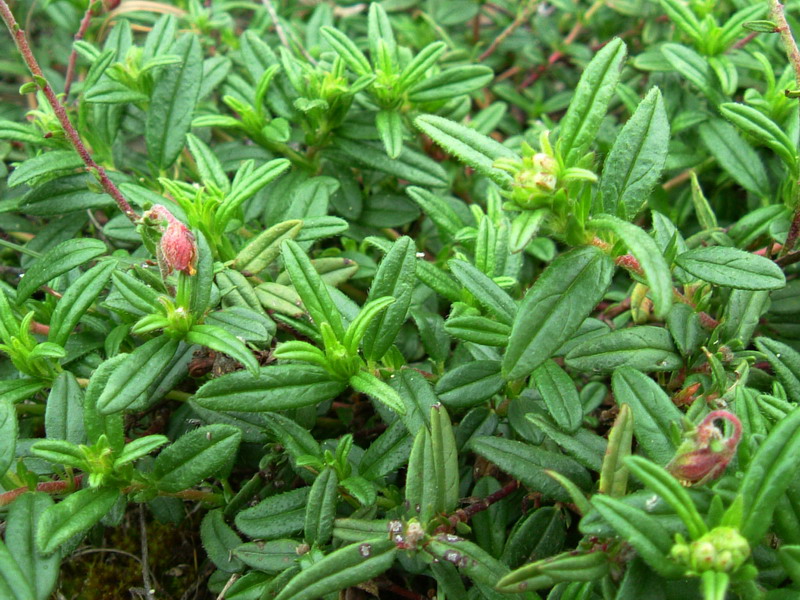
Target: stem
(462, 515)
(17, 247)
(778, 15)
(73, 56)
(519, 20)
(48, 487)
(559, 54)
(61, 113)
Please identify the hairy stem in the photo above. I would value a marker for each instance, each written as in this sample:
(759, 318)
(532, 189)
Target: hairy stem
(73, 56)
(61, 113)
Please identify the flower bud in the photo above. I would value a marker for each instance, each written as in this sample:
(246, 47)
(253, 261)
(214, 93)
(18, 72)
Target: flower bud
(178, 249)
(705, 453)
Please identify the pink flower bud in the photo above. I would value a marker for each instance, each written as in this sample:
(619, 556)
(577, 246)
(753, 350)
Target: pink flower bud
(705, 453)
(179, 248)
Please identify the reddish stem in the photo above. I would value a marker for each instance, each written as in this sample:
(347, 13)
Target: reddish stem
(462, 515)
(73, 56)
(48, 487)
(61, 113)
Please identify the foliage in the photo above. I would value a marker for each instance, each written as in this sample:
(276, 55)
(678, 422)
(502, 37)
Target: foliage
(426, 297)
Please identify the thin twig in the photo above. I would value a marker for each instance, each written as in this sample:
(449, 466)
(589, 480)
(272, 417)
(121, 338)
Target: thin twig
(519, 20)
(559, 54)
(146, 579)
(73, 56)
(61, 113)
(273, 14)
(80, 553)
(228, 585)
(463, 515)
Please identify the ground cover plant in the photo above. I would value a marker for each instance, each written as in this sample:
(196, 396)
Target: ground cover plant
(403, 299)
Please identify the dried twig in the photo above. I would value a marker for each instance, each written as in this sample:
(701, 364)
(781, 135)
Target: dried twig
(523, 16)
(146, 578)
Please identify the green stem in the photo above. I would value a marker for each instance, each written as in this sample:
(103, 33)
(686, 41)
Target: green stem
(18, 248)
(715, 585)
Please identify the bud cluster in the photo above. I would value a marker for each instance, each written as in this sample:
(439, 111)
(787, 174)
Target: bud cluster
(723, 549)
(536, 175)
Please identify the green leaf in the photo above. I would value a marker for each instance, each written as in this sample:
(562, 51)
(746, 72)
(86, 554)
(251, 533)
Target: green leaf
(646, 348)
(451, 82)
(388, 452)
(419, 65)
(14, 582)
(342, 568)
(50, 163)
(349, 52)
(445, 459)
(652, 410)
(396, 278)
(771, 471)
(209, 166)
(587, 109)
(569, 566)
(470, 384)
(693, 67)
(736, 156)
(422, 491)
(77, 300)
(679, 13)
(614, 472)
(219, 542)
(63, 417)
(390, 127)
(478, 330)
(785, 361)
(646, 251)
(642, 531)
(559, 395)
(311, 289)
(637, 158)
(8, 436)
(195, 456)
(321, 508)
(73, 515)
(554, 308)
(486, 291)
(764, 129)
(23, 519)
(58, 260)
(528, 464)
(246, 187)
(136, 373)
(469, 146)
(409, 165)
(277, 387)
(269, 557)
(169, 116)
(473, 561)
(276, 516)
(666, 486)
(732, 267)
(367, 383)
(220, 340)
(138, 448)
(584, 446)
(368, 314)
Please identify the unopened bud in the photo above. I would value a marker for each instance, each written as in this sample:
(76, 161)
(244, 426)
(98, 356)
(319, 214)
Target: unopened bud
(705, 453)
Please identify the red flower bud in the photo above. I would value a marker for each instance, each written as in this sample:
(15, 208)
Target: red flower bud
(179, 248)
(705, 453)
